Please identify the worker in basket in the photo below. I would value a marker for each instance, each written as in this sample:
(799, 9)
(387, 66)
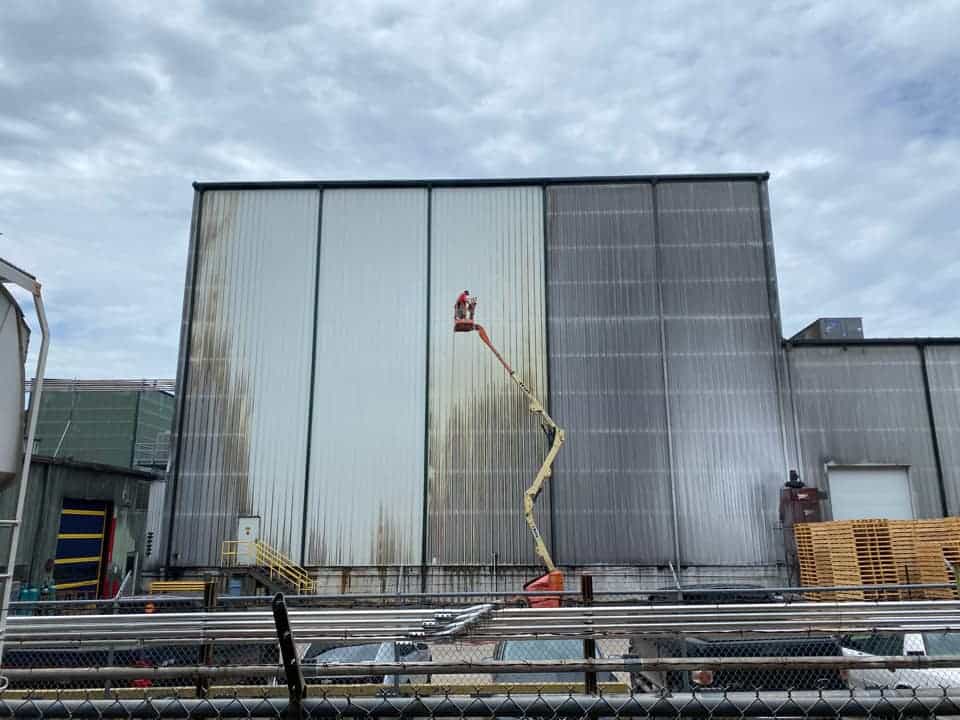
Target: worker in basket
(465, 307)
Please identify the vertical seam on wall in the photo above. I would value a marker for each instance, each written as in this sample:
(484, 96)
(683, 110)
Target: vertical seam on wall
(313, 377)
(45, 488)
(775, 331)
(136, 427)
(791, 393)
(931, 418)
(551, 514)
(426, 409)
(182, 383)
(671, 472)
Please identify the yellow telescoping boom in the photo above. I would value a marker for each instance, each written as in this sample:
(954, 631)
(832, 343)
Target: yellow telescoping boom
(554, 433)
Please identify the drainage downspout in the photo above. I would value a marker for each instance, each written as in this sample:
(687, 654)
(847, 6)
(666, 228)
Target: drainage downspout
(931, 418)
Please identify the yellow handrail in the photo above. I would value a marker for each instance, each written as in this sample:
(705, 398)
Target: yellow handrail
(158, 587)
(269, 560)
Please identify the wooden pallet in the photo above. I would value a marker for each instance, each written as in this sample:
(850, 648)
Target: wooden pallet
(875, 557)
(904, 544)
(805, 558)
(830, 558)
(935, 563)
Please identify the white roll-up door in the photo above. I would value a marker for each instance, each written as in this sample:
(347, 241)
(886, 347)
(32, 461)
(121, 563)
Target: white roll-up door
(858, 493)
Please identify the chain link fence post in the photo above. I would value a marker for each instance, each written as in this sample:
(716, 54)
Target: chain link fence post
(296, 687)
(206, 649)
(589, 644)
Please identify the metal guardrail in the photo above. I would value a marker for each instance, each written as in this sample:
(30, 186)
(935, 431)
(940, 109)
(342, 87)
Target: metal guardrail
(261, 556)
(177, 586)
(76, 385)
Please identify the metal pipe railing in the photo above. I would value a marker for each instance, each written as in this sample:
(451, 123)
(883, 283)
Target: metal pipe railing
(493, 667)
(486, 623)
(360, 598)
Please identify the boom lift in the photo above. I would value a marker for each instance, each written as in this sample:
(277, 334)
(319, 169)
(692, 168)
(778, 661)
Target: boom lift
(463, 321)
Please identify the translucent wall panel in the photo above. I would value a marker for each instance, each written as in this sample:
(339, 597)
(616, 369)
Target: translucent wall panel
(365, 492)
(244, 434)
(612, 489)
(484, 448)
(720, 344)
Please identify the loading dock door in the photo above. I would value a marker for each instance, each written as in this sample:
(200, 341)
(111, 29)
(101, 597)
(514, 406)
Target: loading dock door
(859, 493)
(83, 526)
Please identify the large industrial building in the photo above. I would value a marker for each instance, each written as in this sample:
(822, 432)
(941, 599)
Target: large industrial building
(322, 392)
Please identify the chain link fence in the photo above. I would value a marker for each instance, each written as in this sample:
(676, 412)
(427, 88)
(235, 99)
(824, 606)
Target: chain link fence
(791, 705)
(768, 666)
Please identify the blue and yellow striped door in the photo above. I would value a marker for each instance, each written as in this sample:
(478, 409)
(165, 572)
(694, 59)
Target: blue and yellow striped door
(80, 540)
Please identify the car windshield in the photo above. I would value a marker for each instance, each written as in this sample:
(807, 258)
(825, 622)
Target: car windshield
(941, 644)
(543, 650)
(874, 643)
(520, 650)
(347, 654)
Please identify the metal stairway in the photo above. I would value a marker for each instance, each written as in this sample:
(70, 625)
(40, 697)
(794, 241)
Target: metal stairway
(267, 565)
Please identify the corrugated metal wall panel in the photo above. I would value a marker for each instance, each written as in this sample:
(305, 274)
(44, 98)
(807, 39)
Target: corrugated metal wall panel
(164, 542)
(91, 426)
(611, 492)
(13, 340)
(722, 389)
(943, 373)
(365, 490)
(244, 435)
(865, 405)
(484, 447)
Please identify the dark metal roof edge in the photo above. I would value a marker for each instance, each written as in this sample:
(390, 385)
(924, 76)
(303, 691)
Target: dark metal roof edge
(838, 342)
(95, 466)
(20, 269)
(476, 182)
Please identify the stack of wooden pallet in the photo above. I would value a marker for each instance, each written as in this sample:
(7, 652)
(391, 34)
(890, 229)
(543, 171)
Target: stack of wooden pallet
(828, 558)
(879, 552)
(875, 557)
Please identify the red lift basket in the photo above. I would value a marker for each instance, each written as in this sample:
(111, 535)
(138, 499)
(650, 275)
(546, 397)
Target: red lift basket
(550, 581)
(461, 323)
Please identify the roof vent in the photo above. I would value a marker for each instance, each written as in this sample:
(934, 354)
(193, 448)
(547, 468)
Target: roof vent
(847, 328)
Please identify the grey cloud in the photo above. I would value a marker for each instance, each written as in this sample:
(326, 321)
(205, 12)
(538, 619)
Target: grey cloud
(110, 110)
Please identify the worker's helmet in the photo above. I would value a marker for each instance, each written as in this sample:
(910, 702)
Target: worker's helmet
(466, 292)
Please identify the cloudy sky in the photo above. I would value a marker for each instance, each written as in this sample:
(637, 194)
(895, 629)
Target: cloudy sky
(108, 111)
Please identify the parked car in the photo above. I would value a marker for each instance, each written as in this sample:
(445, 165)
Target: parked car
(545, 649)
(771, 677)
(713, 595)
(129, 655)
(916, 644)
(383, 652)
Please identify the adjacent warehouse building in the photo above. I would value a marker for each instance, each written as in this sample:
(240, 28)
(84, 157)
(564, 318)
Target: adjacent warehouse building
(84, 527)
(124, 423)
(100, 452)
(322, 391)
